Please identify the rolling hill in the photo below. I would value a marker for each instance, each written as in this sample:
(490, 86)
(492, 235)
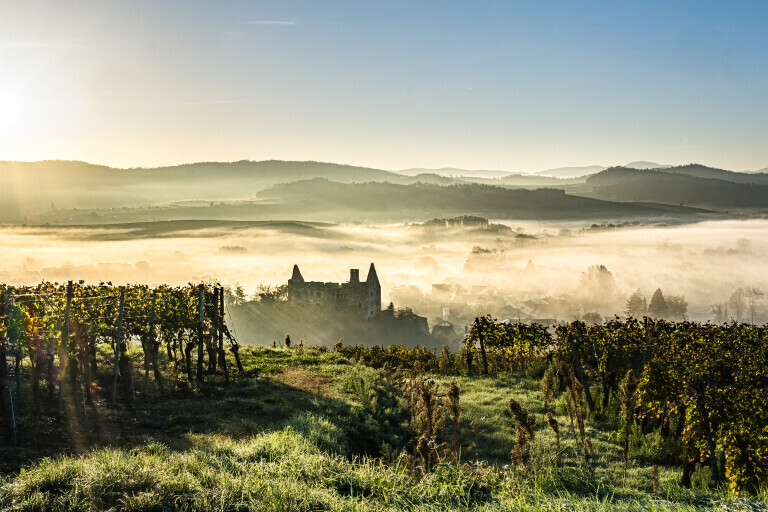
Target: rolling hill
(571, 172)
(681, 188)
(319, 197)
(454, 172)
(34, 187)
(701, 171)
(64, 191)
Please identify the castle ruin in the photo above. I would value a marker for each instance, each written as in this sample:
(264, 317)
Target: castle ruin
(363, 296)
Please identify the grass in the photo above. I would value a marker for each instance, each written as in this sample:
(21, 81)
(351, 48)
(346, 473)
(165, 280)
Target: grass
(308, 431)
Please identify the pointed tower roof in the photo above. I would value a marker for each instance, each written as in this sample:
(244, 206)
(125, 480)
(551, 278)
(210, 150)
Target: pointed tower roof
(297, 277)
(373, 278)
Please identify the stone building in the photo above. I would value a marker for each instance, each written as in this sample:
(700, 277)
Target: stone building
(364, 296)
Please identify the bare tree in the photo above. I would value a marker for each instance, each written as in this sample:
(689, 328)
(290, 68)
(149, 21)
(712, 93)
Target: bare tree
(677, 307)
(738, 303)
(754, 296)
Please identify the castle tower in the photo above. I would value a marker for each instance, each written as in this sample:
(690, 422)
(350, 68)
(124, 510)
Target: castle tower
(296, 278)
(373, 278)
(296, 286)
(374, 292)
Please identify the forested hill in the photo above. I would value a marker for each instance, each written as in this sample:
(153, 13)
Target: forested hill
(633, 185)
(54, 189)
(702, 171)
(393, 200)
(31, 187)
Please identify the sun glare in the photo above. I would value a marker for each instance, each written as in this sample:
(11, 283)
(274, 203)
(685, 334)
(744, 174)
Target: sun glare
(11, 108)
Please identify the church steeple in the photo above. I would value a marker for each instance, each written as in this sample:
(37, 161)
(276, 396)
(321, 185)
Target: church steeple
(373, 278)
(296, 277)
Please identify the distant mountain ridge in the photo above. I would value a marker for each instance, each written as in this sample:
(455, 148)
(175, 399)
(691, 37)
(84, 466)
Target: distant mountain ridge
(685, 185)
(31, 189)
(702, 171)
(646, 165)
(450, 172)
(571, 172)
(389, 200)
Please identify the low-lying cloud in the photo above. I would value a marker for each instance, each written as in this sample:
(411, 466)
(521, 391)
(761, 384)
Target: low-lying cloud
(704, 262)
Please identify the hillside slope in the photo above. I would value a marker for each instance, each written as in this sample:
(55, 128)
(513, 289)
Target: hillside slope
(32, 187)
(702, 171)
(307, 430)
(633, 185)
(389, 200)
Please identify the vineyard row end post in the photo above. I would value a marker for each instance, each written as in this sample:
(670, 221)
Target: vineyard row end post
(6, 395)
(200, 332)
(118, 342)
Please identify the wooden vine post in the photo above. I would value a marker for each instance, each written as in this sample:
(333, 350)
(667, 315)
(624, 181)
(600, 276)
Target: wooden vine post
(149, 340)
(71, 350)
(220, 330)
(6, 395)
(64, 356)
(481, 338)
(118, 342)
(580, 375)
(213, 349)
(200, 332)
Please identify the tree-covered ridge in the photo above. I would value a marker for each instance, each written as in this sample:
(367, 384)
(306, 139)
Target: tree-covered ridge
(678, 186)
(32, 190)
(322, 195)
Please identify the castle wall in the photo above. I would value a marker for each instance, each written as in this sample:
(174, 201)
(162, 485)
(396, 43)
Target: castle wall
(364, 297)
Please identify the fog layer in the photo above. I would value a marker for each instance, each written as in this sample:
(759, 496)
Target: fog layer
(704, 262)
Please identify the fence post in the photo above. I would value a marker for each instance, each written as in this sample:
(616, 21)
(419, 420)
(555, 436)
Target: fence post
(118, 342)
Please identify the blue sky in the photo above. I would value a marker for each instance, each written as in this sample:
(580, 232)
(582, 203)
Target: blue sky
(485, 84)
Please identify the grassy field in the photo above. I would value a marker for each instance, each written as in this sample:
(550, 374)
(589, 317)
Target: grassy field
(307, 430)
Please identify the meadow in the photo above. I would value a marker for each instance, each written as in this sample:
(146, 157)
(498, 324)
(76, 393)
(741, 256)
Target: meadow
(310, 429)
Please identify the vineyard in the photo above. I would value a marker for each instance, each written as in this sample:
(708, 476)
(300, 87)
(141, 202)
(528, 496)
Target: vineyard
(701, 387)
(626, 413)
(60, 330)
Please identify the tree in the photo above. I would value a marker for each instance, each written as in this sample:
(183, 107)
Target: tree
(720, 312)
(738, 303)
(598, 278)
(754, 296)
(592, 317)
(234, 296)
(598, 288)
(637, 306)
(677, 307)
(658, 306)
(268, 293)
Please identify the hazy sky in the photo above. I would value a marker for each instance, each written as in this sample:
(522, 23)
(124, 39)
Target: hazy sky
(477, 84)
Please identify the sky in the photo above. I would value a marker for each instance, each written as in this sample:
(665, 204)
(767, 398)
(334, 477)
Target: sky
(510, 85)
